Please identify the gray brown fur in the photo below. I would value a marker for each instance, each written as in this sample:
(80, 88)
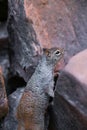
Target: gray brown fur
(35, 99)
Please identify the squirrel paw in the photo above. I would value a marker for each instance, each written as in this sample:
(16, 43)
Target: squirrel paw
(50, 92)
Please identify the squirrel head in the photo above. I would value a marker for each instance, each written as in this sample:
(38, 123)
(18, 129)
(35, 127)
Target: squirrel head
(53, 55)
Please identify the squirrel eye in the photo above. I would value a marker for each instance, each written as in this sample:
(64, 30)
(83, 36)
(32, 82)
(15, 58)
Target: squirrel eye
(57, 52)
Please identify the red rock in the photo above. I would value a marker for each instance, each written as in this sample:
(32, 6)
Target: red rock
(77, 66)
(57, 23)
(44, 23)
(69, 111)
(3, 97)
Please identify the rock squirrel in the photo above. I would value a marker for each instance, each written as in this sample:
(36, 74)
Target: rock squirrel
(35, 98)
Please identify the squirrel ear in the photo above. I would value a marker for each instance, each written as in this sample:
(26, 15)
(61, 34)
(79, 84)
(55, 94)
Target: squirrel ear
(46, 51)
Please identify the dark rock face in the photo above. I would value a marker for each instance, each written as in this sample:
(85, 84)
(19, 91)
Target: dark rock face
(69, 110)
(3, 33)
(13, 83)
(3, 97)
(10, 121)
(4, 57)
(69, 114)
(24, 46)
(3, 10)
(4, 65)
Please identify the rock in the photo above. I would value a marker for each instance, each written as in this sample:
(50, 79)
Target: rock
(4, 57)
(10, 121)
(13, 83)
(77, 67)
(69, 109)
(42, 23)
(24, 46)
(3, 97)
(33, 25)
(3, 34)
(3, 10)
(4, 63)
(60, 23)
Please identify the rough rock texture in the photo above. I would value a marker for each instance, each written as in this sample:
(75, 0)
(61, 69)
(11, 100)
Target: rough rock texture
(43, 23)
(10, 122)
(59, 23)
(3, 97)
(69, 110)
(24, 46)
(4, 57)
(3, 33)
